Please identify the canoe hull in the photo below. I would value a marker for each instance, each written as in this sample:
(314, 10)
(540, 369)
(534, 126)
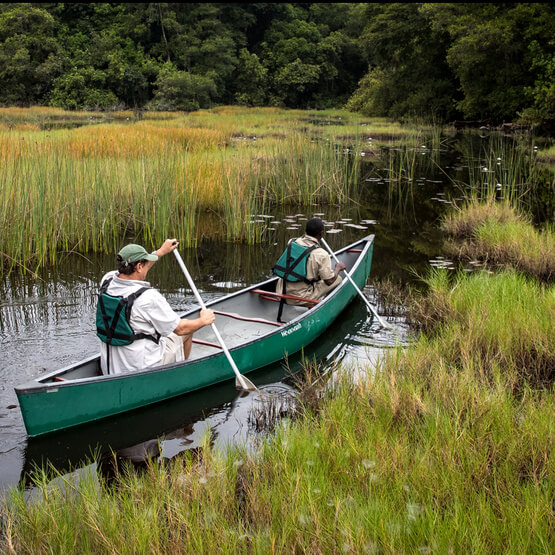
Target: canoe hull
(48, 406)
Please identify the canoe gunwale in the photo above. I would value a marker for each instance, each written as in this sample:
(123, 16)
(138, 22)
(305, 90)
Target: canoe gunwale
(38, 386)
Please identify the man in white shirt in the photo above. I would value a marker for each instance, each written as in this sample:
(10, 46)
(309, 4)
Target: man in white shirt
(164, 337)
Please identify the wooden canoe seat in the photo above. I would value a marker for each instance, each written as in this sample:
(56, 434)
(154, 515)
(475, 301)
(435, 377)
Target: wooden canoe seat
(277, 297)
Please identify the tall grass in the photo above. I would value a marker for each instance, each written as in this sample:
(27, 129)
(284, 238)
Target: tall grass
(499, 326)
(498, 233)
(84, 189)
(432, 453)
(503, 169)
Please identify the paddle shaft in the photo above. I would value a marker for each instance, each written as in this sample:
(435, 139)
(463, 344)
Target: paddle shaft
(372, 309)
(241, 380)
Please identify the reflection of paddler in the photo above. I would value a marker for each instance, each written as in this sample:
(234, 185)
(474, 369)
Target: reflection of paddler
(305, 268)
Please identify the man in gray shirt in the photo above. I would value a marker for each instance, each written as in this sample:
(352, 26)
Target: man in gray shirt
(320, 277)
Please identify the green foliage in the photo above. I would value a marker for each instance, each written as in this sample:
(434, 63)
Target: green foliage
(29, 54)
(542, 93)
(181, 90)
(250, 80)
(434, 60)
(489, 52)
(408, 73)
(82, 88)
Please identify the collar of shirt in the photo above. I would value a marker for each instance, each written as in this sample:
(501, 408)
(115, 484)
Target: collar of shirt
(127, 282)
(309, 239)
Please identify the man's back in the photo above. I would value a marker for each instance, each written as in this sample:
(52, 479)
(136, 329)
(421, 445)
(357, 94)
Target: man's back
(318, 269)
(151, 315)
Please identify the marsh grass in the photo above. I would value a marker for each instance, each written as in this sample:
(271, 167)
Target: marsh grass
(498, 233)
(432, 453)
(547, 156)
(498, 325)
(82, 189)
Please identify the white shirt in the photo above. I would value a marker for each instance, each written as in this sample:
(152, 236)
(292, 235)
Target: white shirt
(151, 313)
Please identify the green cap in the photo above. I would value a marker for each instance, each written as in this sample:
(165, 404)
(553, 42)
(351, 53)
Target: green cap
(134, 253)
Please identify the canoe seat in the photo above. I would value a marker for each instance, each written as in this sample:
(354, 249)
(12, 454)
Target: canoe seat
(278, 297)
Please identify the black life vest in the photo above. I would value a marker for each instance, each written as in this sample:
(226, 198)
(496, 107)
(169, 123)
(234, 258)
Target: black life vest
(113, 315)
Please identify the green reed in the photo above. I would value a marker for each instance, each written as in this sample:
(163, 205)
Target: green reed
(431, 452)
(497, 233)
(502, 168)
(85, 189)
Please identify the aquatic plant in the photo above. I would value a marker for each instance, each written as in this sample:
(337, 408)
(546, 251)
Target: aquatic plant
(82, 189)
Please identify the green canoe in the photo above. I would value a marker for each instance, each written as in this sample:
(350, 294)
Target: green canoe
(246, 320)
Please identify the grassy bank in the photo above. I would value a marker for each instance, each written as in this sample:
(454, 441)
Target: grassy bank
(496, 233)
(446, 447)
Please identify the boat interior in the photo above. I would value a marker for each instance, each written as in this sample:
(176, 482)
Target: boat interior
(241, 317)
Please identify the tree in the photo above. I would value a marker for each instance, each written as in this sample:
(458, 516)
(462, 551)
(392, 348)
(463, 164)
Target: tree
(29, 54)
(83, 89)
(250, 80)
(491, 53)
(296, 82)
(408, 74)
(181, 90)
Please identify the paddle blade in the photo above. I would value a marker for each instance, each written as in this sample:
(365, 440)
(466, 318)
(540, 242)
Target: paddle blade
(244, 383)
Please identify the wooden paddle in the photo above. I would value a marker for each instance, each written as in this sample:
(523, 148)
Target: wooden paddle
(240, 381)
(372, 309)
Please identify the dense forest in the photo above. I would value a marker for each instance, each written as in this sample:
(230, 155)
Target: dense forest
(490, 62)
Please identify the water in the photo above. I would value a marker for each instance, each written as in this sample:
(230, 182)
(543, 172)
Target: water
(49, 323)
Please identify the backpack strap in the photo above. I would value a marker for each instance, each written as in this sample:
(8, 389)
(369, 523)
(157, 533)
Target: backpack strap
(289, 270)
(130, 300)
(126, 302)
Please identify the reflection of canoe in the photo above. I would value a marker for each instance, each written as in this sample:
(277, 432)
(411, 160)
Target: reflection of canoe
(247, 322)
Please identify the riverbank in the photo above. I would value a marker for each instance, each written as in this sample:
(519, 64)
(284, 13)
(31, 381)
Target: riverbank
(446, 446)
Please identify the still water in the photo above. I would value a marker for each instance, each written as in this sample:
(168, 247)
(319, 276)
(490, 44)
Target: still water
(49, 322)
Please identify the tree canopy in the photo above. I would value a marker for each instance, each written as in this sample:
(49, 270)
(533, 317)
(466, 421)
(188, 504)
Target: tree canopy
(483, 61)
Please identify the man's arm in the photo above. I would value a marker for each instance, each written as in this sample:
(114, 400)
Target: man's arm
(187, 327)
(338, 267)
(168, 246)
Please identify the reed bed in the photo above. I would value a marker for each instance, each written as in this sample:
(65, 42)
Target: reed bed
(85, 189)
(503, 169)
(432, 453)
(497, 233)
(547, 156)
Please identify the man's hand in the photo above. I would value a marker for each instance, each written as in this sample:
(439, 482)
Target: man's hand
(186, 326)
(168, 246)
(207, 316)
(339, 267)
